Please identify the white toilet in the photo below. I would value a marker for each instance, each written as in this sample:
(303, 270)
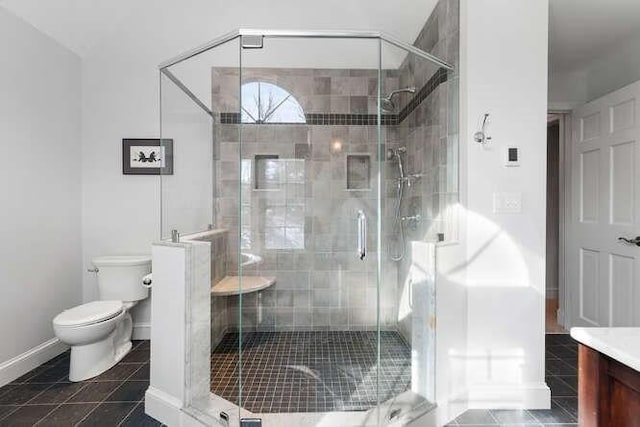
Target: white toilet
(99, 332)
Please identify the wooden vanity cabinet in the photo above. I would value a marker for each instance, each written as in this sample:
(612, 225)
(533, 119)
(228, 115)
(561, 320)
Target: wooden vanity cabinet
(608, 391)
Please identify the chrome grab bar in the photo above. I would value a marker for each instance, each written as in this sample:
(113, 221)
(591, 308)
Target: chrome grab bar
(362, 234)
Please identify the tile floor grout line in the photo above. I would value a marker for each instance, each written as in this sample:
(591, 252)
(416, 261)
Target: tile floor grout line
(57, 405)
(563, 410)
(41, 392)
(89, 413)
(10, 412)
(563, 407)
(136, 371)
(67, 400)
(106, 397)
(129, 413)
(45, 416)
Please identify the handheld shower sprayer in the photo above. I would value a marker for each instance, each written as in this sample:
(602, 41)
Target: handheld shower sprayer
(396, 153)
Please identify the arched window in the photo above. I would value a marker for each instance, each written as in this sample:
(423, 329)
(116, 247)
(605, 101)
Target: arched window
(264, 102)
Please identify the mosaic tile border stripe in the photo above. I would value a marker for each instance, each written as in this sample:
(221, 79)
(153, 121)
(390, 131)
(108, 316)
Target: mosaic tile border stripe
(438, 78)
(331, 119)
(350, 119)
(327, 119)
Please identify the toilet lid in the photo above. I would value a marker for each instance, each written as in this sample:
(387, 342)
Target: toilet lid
(91, 312)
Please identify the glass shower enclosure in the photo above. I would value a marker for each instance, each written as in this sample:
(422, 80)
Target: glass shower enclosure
(319, 168)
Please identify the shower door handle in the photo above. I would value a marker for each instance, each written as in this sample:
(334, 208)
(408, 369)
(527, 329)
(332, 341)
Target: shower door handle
(362, 235)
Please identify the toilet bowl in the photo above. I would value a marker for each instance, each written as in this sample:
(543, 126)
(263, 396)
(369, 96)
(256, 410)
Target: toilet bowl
(99, 332)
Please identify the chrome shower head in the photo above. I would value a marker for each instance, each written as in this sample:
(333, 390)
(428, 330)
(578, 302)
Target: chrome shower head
(394, 153)
(387, 104)
(390, 153)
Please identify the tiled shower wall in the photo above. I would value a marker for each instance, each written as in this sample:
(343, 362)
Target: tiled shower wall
(320, 284)
(303, 224)
(430, 133)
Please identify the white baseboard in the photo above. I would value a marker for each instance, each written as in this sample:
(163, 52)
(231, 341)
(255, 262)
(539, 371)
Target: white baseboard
(167, 409)
(561, 320)
(163, 407)
(31, 359)
(451, 407)
(510, 396)
(141, 331)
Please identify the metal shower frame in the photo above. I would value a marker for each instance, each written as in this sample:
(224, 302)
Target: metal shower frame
(320, 34)
(287, 34)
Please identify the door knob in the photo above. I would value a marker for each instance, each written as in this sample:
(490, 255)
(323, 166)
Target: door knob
(634, 241)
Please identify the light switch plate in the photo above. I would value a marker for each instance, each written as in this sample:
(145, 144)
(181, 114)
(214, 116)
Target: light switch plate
(507, 202)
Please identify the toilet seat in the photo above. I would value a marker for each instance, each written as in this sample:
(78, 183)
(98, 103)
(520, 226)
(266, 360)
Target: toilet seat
(89, 313)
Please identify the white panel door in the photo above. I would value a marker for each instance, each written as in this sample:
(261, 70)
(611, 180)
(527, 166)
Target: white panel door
(604, 272)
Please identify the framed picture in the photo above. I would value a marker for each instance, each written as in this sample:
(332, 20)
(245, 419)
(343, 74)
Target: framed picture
(147, 157)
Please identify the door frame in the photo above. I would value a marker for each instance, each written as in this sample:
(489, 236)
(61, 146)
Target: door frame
(564, 214)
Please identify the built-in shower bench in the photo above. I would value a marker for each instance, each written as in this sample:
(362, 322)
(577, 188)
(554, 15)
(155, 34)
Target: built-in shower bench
(230, 285)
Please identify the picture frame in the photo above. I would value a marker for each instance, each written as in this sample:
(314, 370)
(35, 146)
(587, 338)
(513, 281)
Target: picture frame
(147, 156)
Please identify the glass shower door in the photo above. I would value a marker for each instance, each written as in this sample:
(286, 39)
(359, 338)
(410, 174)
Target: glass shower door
(308, 196)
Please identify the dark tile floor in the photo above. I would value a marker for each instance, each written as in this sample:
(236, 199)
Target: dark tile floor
(284, 372)
(310, 371)
(45, 397)
(561, 372)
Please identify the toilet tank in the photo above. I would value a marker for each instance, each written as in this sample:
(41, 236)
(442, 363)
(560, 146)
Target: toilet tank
(120, 277)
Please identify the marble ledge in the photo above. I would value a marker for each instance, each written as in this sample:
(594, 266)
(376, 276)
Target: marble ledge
(206, 233)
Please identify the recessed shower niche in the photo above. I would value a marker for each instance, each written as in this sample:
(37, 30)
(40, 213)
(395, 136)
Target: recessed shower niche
(358, 172)
(281, 167)
(269, 172)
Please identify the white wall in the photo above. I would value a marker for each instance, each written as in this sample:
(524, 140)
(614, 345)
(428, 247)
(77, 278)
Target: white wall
(40, 128)
(504, 73)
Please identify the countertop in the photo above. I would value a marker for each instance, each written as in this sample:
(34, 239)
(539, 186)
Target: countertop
(621, 344)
